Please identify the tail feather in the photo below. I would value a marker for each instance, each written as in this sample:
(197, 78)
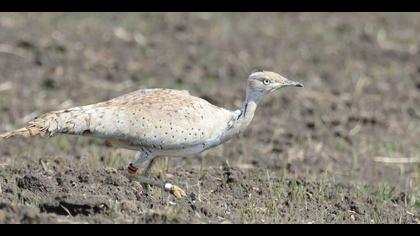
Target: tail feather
(70, 121)
(23, 132)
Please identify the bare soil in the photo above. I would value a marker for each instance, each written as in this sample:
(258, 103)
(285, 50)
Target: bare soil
(312, 155)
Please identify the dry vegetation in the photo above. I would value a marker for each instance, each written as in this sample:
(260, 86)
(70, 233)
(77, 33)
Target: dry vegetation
(332, 152)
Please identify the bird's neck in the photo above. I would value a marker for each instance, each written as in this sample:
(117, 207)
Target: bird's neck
(246, 113)
(242, 117)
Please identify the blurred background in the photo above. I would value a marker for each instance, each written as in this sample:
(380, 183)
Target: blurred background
(355, 121)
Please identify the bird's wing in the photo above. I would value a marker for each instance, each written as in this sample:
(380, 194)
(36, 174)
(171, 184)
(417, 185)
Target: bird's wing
(159, 118)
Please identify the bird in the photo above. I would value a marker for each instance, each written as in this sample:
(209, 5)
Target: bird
(158, 122)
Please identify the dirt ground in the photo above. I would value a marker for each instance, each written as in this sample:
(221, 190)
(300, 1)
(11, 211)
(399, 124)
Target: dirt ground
(327, 153)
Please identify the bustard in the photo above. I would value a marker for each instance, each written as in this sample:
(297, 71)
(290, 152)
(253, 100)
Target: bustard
(158, 122)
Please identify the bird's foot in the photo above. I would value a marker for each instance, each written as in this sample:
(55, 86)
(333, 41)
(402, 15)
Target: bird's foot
(175, 190)
(148, 182)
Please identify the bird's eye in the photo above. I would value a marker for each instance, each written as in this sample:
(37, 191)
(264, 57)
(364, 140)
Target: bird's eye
(266, 81)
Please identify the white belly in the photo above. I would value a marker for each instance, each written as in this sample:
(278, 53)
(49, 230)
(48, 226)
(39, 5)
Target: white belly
(176, 152)
(180, 152)
(189, 151)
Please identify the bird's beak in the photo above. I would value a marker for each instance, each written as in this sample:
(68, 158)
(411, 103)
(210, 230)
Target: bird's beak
(293, 83)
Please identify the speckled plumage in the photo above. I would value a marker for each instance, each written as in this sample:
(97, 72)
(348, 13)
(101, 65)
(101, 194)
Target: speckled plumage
(158, 121)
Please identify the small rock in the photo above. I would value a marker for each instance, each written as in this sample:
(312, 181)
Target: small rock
(193, 196)
(128, 205)
(122, 34)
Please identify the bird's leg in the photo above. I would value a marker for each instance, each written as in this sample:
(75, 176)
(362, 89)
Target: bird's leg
(146, 172)
(146, 181)
(149, 167)
(141, 158)
(134, 167)
(173, 189)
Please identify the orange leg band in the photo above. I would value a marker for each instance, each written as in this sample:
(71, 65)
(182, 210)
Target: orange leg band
(132, 169)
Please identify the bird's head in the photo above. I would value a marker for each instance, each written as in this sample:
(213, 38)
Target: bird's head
(261, 83)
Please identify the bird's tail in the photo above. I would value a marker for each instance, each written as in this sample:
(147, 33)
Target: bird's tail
(24, 132)
(69, 121)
